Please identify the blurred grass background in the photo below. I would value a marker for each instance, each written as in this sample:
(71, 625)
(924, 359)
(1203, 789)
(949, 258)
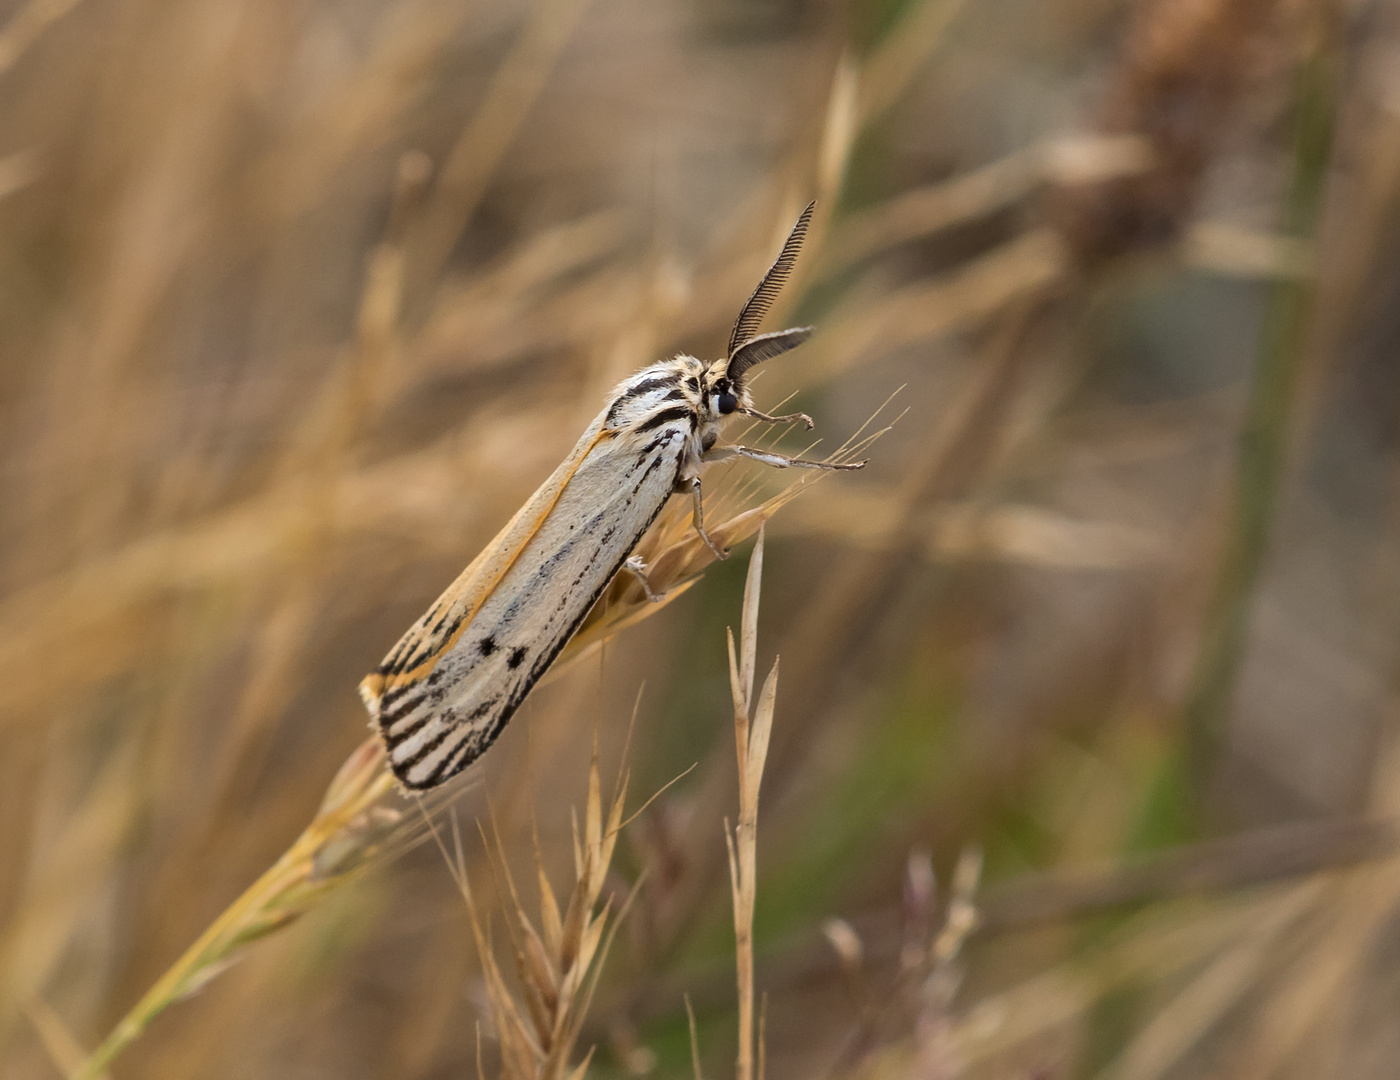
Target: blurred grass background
(298, 302)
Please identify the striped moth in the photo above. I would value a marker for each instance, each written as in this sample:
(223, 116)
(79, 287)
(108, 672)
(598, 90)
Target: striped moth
(449, 686)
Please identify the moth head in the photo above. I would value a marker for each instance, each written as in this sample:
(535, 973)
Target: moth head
(722, 395)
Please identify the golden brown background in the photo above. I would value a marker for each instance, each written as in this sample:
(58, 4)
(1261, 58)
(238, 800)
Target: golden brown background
(298, 301)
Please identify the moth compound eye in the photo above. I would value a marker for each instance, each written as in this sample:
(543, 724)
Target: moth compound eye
(726, 403)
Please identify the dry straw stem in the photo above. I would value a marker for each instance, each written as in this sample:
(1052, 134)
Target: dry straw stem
(557, 964)
(348, 829)
(752, 729)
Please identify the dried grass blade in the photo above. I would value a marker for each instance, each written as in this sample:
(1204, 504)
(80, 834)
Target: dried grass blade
(513, 89)
(839, 133)
(609, 841)
(578, 845)
(550, 923)
(736, 685)
(576, 1016)
(748, 636)
(694, 1040)
(63, 1048)
(588, 947)
(582, 1070)
(734, 881)
(516, 1045)
(512, 1029)
(902, 54)
(25, 27)
(593, 820)
(541, 970)
(540, 1009)
(519, 931)
(758, 739)
(575, 923)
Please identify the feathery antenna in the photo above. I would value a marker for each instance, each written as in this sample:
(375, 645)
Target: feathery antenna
(757, 305)
(764, 347)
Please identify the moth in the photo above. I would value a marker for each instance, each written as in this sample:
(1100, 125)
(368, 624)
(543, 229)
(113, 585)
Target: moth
(448, 688)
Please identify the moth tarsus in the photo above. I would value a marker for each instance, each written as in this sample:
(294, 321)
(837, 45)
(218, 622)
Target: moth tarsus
(638, 569)
(445, 691)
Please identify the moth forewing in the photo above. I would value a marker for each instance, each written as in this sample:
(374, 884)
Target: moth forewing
(413, 655)
(464, 669)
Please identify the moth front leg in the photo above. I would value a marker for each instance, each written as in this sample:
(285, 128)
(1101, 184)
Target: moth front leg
(698, 517)
(787, 419)
(779, 461)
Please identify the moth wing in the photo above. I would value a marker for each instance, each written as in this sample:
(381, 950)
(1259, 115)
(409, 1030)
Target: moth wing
(415, 653)
(440, 722)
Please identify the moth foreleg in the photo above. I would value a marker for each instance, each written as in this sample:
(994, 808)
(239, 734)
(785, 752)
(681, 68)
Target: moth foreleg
(787, 419)
(638, 569)
(698, 517)
(779, 461)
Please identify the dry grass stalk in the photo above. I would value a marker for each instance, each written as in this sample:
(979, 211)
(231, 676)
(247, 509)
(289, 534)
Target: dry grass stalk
(694, 1040)
(557, 963)
(349, 828)
(752, 729)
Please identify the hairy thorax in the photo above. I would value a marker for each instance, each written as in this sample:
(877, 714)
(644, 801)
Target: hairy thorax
(684, 398)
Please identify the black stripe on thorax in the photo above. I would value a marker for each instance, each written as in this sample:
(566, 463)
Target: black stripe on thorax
(665, 416)
(646, 386)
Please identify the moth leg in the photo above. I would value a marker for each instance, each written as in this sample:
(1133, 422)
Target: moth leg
(779, 461)
(807, 420)
(698, 517)
(638, 569)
